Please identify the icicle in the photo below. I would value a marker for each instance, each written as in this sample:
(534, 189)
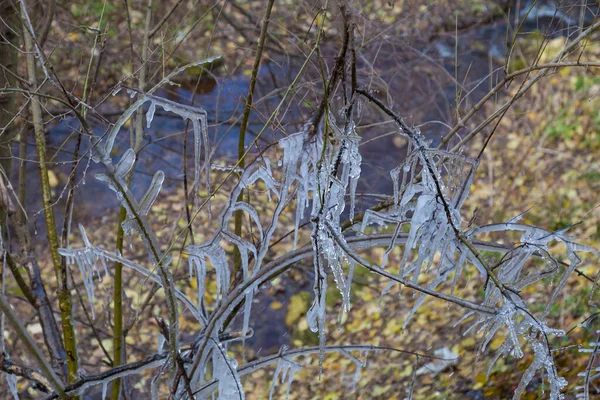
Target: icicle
(352, 159)
(204, 121)
(11, 380)
(269, 173)
(125, 164)
(292, 369)
(240, 205)
(292, 150)
(218, 258)
(198, 266)
(285, 369)
(197, 148)
(104, 390)
(278, 371)
(359, 366)
(247, 310)
(154, 384)
(87, 262)
(161, 343)
(145, 205)
(225, 370)
(152, 193)
(243, 247)
(317, 312)
(346, 298)
(150, 114)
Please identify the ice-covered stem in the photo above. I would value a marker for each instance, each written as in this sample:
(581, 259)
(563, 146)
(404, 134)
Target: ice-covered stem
(155, 254)
(591, 369)
(212, 324)
(241, 163)
(210, 387)
(103, 255)
(64, 294)
(103, 155)
(181, 371)
(32, 348)
(157, 360)
(79, 387)
(543, 68)
(481, 309)
(118, 334)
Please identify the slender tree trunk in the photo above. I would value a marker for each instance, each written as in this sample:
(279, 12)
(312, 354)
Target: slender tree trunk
(64, 292)
(9, 43)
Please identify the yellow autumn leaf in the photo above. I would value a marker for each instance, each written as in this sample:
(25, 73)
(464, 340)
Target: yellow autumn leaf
(297, 307)
(53, 179)
(276, 305)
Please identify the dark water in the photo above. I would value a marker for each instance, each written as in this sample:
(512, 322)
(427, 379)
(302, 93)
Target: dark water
(419, 77)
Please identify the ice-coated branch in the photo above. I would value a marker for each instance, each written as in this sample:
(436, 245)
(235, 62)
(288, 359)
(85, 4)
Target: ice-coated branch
(287, 356)
(592, 369)
(432, 234)
(279, 265)
(484, 310)
(93, 254)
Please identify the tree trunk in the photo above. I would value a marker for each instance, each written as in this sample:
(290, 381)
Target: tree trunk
(9, 43)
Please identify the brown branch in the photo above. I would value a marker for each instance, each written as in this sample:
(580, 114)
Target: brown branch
(544, 69)
(336, 72)
(46, 24)
(164, 19)
(37, 378)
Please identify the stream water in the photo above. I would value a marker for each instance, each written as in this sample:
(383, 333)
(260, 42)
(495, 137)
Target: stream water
(419, 77)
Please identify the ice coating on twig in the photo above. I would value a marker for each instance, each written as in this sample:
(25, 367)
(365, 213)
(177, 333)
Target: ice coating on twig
(218, 258)
(225, 370)
(284, 372)
(125, 163)
(73, 253)
(592, 370)
(150, 114)
(196, 115)
(88, 263)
